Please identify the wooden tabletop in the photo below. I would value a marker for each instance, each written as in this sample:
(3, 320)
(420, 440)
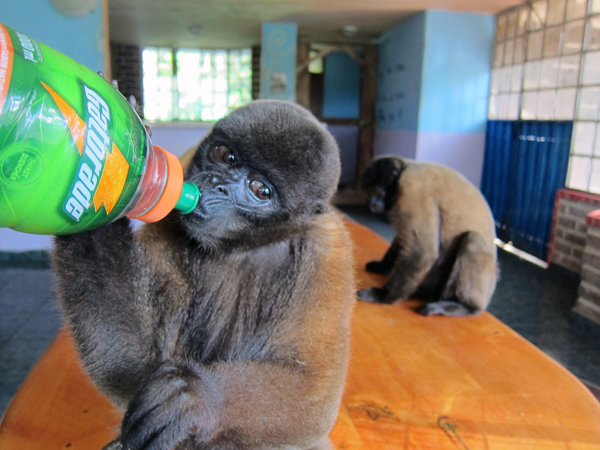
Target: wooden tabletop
(414, 383)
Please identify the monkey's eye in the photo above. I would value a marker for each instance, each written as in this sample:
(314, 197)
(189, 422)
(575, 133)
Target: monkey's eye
(261, 190)
(225, 155)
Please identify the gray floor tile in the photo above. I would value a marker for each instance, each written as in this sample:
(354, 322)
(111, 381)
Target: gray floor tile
(378, 223)
(20, 355)
(29, 320)
(10, 322)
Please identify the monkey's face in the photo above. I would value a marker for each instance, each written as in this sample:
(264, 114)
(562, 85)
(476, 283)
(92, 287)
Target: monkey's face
(380, 181)
(377, 199)
(263, 172)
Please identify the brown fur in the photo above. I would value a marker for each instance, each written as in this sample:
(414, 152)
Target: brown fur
(444, 244)
(223, 345)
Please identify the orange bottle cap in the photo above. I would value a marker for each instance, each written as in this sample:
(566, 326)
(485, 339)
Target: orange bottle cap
(171, 192)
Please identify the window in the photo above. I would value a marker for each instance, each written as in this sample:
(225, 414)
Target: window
(546, 66)
(195, 84)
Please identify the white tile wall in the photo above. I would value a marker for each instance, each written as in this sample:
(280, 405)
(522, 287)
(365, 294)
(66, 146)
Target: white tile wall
(547, 67)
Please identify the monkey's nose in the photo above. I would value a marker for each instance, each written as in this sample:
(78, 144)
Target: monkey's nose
(218, 185)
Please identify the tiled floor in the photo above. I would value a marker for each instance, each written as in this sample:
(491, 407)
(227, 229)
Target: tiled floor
(534, 302)
(29, 320)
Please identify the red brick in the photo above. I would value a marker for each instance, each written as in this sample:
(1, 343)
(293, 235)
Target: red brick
(569, 263)
(562, 247)
(589, 294)
(590, 277)
(575, 239)
(567, 223)
(591, 260)
(593, 242)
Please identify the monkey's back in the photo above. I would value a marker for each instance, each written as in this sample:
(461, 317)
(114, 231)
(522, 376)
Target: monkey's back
(460, 204)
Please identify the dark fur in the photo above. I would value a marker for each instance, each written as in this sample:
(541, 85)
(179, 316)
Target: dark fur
(443, 249)
(227, 328)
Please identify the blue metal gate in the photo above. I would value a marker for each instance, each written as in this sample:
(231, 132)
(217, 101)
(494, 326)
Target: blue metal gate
(525, 164)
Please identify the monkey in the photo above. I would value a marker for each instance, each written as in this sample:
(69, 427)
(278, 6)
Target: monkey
(227, 328)
(443, 248)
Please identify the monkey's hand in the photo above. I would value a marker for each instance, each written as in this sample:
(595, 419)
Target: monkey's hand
(378, 267)
(372, 295)
(384, 267)
(114, 445)
(447, 308)
(167, 411)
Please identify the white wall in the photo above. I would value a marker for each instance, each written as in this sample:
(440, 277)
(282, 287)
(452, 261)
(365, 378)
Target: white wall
(80, 38)
(432, 93)
(178, 138)
(462, 152)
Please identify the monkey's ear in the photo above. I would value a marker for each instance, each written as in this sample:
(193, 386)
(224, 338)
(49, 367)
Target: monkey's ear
(319, 207)
(399, 166)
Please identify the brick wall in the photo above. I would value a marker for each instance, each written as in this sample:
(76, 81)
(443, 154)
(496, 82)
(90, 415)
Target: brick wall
(256, 73)
(126, 63)
(576, 246)
(588, 302)
(570, 228)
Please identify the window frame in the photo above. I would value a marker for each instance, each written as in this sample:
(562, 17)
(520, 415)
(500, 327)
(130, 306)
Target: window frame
(176, 93)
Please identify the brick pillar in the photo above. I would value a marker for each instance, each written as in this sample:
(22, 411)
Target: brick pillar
(127, 71)
(570, 228)
(588, 302)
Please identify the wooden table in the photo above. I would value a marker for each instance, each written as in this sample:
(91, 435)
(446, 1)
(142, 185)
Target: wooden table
(414, 383)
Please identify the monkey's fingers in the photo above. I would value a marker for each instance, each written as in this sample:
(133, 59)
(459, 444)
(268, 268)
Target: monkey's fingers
(378, 267)
(446, 308)
(165, 412)
(114, 445)
(372, 295)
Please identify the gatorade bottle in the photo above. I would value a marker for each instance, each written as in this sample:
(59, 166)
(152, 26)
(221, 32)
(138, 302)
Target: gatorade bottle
(74, 155)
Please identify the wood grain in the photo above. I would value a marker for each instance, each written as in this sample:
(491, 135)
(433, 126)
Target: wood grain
(414, 383)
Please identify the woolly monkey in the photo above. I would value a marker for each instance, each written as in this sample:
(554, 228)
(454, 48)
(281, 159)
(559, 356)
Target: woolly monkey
(226, 328)
(443, 248)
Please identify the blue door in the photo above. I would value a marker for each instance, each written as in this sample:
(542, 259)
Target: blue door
(525, 164)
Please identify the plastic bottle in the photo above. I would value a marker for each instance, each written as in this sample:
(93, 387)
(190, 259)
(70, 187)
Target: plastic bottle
(74, 155)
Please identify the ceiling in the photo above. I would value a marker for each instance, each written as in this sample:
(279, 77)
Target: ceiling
(237, 23)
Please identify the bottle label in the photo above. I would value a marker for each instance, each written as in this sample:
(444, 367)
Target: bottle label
(72, 151)
(6, 63)
(30, 50)
(102, 170)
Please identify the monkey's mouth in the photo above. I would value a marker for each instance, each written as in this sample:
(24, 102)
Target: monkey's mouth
(199, 213)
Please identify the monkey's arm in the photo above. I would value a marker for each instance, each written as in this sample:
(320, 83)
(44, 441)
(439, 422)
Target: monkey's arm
(230, 405)
(96, 278)
(384, 266)
(417, 227)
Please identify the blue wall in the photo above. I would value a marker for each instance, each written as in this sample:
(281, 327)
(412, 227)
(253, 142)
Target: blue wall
(79, 38)
(341, 87)
(278, 61)
(399, 75)
(456, 72)
(434, 73)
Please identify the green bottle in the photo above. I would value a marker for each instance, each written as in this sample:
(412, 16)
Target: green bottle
(74, 155)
